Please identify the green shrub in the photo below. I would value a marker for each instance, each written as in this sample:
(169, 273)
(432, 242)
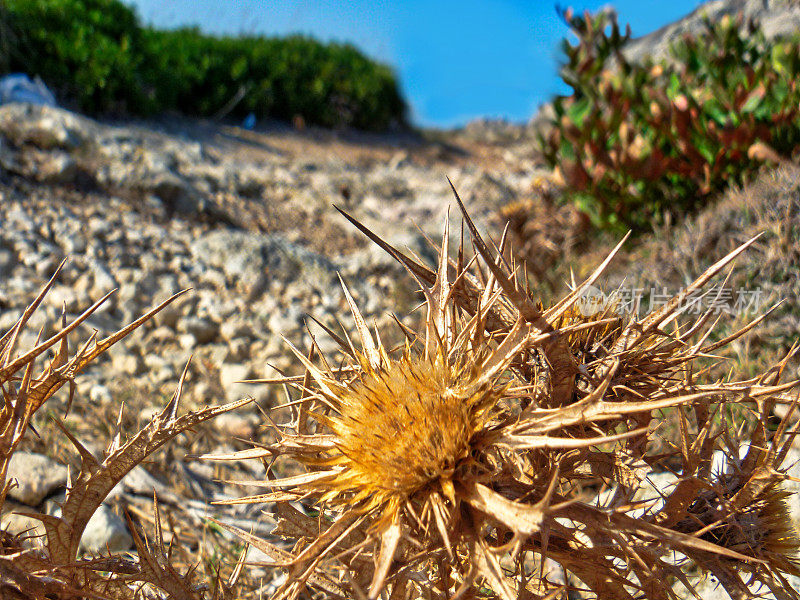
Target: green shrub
(97, 57)
(636, 141)
(88, 51)
(330, 85)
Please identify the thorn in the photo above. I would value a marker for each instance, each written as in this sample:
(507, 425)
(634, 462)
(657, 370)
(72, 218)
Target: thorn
(72, 389)
(171, 409)
(116, 441)
(86, 457)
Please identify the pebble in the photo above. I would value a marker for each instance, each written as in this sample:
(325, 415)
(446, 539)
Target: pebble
(231, 374)
(16, 523)
(101, 395)
(236, 328)
(37, 477)
(286, 322)
(148, 414)
(105, 532)
(203, 330)
(67, 297)
(237, 425)
(127, 363)
(187, 341)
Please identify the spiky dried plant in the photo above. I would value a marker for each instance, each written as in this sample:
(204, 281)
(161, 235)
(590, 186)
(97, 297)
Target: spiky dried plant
(54, 571)
(461, 464)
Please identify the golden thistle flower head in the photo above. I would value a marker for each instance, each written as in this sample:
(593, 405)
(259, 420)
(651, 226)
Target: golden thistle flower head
(404, 428)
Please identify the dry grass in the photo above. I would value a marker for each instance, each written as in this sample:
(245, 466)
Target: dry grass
(546, 235)
(769, 206)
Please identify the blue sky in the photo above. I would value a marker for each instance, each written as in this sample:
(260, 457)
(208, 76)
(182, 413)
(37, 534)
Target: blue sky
(456, 61)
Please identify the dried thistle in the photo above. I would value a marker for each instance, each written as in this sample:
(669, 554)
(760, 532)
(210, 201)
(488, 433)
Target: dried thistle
(458, 465)
(54, 571)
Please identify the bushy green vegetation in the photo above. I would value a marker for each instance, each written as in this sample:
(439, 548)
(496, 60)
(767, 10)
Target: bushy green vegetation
(97, 56)
(636, 141)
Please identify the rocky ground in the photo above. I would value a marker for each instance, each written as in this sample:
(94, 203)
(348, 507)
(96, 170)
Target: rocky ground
(245, 220)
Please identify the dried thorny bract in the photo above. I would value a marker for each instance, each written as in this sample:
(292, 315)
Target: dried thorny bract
(468, 462)
(54, 571)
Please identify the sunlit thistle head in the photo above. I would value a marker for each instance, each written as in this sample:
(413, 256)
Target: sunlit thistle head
(403, 430)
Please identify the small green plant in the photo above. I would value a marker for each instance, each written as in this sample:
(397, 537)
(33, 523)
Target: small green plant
(636, 141)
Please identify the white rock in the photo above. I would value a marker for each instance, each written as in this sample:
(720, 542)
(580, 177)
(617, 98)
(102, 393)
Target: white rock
(127, 363)
(37, 477)
(104, 281)
(104, 532)
(101, 394)
(236, 328)
(187, 341)
(64, 296)
(203, 394)
(15, 523)
(286, 321)
(231, 375)
(237, 425)
(147, 414)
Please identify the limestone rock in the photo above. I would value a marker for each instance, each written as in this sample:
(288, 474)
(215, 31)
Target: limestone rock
(37, 477)
(44, 127)
(776, 17)
(104, 532)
